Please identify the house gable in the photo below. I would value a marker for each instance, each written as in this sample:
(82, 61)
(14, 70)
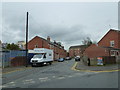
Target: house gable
(111, 39)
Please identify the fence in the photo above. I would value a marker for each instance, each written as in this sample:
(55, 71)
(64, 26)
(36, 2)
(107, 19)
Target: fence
(7, 58)
(109, 59)
(118, 59)
(18, 61)
(106, 60)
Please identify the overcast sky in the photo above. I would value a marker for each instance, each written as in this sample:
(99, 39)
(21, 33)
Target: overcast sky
(67, 22)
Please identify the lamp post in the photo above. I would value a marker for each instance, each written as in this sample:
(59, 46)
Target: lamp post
(27, 40)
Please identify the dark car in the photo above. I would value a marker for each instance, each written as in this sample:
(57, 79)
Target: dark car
(77, 58)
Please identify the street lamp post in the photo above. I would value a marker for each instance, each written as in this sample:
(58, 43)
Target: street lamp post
(27, 40)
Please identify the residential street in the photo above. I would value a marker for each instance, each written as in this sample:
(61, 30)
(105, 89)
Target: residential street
(59, 75)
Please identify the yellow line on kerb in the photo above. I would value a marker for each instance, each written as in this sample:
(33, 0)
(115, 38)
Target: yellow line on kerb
(17, 70)
(73, 68)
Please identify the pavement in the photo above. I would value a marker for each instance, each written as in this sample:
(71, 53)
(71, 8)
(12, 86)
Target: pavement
(13, 69)
(17, 68)
(80, 66)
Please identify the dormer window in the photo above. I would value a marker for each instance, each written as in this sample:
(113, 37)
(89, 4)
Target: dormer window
(112, 43)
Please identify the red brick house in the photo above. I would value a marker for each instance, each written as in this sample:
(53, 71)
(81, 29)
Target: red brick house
(109, 45)
(77, 50)
(39, 42)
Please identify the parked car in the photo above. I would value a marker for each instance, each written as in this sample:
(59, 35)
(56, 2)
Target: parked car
(67, 58)
(77, 58)
(61, 60)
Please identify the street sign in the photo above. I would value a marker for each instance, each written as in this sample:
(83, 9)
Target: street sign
(99, 61)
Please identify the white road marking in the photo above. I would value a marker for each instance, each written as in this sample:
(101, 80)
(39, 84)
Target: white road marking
(29, 81)
(70, 76)
(11, 82)
(2, 86)
(53, 76)
(44, 79)
(61, 77)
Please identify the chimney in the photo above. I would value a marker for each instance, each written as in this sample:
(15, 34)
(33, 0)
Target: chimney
(48, 38)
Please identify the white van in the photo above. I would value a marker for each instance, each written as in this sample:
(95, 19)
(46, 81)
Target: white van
(42, 56)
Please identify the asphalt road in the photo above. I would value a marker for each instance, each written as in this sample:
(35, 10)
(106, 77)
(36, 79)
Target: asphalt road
(59, 75)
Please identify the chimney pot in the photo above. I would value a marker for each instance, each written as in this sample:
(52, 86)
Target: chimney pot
(48, 38)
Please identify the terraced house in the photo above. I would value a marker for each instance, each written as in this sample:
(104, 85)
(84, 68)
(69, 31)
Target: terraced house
(109, 45)
(39, 42)
(77, 50)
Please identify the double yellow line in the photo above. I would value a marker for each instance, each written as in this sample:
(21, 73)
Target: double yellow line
(74, 68)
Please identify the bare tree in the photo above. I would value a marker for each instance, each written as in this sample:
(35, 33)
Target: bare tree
(87, 41)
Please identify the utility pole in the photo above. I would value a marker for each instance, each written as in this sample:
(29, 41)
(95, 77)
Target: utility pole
(27, 40)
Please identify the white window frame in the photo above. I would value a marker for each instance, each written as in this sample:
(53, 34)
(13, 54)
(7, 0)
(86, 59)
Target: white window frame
(112, 43)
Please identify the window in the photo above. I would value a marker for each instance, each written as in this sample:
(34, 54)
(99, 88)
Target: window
(112, 43)
(37, 56)
(112, 53)
(36, 46)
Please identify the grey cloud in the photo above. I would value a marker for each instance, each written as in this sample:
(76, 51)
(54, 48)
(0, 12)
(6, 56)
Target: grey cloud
(13, 30)
(64, 34)
(69, 23)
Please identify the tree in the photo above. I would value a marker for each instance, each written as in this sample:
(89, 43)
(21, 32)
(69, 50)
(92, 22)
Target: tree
(12, 47)
(87, 41)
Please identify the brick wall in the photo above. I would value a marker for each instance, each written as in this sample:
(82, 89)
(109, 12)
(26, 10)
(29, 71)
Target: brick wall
(35, 41)
(112, 35)
(42, 43)
(76, 51)
(93, 51)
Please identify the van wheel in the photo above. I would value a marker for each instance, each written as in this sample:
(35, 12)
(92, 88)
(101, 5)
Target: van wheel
(32, 65)
(50, 63)
(41, 64)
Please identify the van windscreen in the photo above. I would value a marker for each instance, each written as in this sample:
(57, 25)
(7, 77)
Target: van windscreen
(37, 56)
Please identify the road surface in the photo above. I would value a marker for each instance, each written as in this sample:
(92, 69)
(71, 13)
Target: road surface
(59, 75)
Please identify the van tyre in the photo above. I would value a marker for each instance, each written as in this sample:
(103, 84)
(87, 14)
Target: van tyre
(41, 64)
(50, 63)
(32, 65)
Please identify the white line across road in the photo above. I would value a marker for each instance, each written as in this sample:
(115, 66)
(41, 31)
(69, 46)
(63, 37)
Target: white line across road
(44, 79)
(28, 81)
(61, 77)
